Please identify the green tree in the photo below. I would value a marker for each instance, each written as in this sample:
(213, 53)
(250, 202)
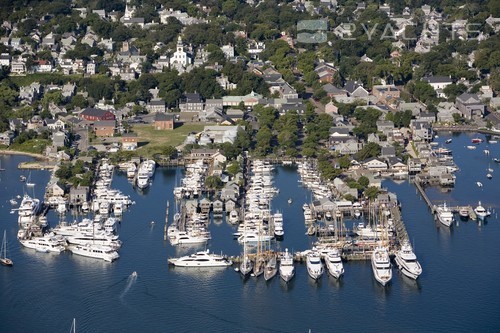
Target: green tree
(213, 182)
(371, 192)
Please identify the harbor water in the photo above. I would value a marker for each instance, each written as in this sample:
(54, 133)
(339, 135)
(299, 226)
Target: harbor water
(457, 291)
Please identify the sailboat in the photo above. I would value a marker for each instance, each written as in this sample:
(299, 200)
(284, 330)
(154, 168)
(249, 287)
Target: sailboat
(28, 182)
(246, 265)
(1, 169)
(3, 253)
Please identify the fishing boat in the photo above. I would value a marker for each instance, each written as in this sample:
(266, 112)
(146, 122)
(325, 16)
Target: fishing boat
(286, 268)
(464, 212)
(381, 265)
(201, 259)
(407, 261)
(3, 252)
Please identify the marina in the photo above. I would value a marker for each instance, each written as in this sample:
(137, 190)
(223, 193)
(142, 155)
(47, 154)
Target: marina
(106, 285)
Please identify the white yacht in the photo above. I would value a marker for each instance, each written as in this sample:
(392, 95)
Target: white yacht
(271, 268)
(183, 237)
(314, 264)
(334, 263)
(201, 259)
(381, 265)
(28, 209)
(407, 261)
(278, 225)
(105, 253)
(481, 212)
(233, 216)
(286, 268)
(444, 215)
(43, 244)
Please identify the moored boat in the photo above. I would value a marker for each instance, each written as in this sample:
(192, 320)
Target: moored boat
(481, 212)
(381, 265)
(271, 268)
(3, 252)
(201, 259)
(334, 263)
(286, 268)
(105, 253)
(314, 265)
(407, 261)
(444, 215)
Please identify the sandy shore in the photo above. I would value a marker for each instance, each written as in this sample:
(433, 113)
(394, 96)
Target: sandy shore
(14, 152)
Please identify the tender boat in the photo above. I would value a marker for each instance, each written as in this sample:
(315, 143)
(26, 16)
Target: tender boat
(201, 259)
(407, 261)
(448, 141)
(271, 268)
(444, 215)
(314, 264)
(481, 212)
(105, 253)
(334, 263)
(381, 265)
(286, 268)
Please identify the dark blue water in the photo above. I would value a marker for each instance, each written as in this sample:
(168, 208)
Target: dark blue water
(457, 291)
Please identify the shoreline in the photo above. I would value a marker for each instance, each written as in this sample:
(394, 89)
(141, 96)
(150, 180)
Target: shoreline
(17, 152)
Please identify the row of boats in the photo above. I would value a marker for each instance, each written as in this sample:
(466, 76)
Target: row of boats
(316, 261)
(446, 216)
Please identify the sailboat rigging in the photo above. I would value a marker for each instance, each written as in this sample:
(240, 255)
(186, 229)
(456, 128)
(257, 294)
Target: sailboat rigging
(3, 252)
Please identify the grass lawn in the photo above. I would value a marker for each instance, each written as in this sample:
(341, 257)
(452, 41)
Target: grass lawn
(35, 146)
(151, 140)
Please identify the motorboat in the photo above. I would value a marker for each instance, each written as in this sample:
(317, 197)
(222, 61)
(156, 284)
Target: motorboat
(201, 259)
(357, 213)
(184, 237)
(381, 265)
(254, 237)
(286, 267)
(43, 244)
(489, 175)
(448, 141)
(444, 215)
(477, 140)
(464, 212)
(479, 184)
(333, 263)
(471, 147)
(105, 253)
(131, 170)
(314, 264)
(278, 225)
(407, 261)
(481, 212)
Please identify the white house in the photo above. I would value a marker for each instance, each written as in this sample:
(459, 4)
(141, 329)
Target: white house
(375, 164)
(180, 56)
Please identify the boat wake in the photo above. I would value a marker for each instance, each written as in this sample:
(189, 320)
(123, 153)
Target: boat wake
(130, 281)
